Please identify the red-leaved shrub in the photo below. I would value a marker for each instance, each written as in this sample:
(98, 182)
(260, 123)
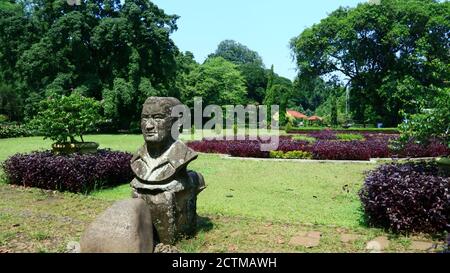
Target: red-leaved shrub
(74, 173)
(411, 197)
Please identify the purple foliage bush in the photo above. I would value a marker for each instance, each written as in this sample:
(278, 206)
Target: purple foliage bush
(341, 150)
(433, 149)
(410, 197)
(323, 135)
(73, 173)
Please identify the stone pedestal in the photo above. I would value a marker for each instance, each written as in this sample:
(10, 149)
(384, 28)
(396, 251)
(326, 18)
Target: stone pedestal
(173, 206)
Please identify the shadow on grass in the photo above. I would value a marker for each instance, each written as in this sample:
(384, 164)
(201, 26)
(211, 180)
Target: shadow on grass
(204, 224)
(365, 222)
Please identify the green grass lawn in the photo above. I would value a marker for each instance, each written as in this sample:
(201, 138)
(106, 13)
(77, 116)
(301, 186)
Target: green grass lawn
(242, 197)
(285, 191)
(322, 193)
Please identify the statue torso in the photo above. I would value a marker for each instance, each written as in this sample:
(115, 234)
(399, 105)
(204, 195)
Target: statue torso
(164, 168)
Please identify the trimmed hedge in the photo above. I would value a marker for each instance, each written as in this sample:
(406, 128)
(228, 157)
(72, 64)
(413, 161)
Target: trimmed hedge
(349, 137)
(14, 130)
(410, 197)
(74, 173)
(389, 131)
(291, 155)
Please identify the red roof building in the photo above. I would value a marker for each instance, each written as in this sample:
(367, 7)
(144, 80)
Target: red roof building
(296, 114)
(315, 118)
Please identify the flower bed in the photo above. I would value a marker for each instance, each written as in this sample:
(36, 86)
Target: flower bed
(346, 131)
(326, 147)
(74, 173)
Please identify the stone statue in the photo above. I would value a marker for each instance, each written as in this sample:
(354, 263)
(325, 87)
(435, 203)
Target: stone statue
(161, 176)
(164, 193)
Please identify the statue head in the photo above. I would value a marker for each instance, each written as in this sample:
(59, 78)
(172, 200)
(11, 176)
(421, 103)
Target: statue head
(157, 120)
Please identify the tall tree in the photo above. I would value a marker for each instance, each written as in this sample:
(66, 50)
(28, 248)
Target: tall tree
(391, 54)
(217, 81)
(185, 65)
(249, 63)
(278, 95)
(256, 82)
(310, 92)
(237, 53)
(97, 47)
(270, 79)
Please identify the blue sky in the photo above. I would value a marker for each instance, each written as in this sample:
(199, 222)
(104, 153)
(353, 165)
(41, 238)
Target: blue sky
(265, 26)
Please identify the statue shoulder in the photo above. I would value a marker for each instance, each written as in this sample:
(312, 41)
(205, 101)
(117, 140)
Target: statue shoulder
(139, 153)
(181, 154)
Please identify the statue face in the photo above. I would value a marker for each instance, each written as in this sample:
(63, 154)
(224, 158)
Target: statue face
(156, 123)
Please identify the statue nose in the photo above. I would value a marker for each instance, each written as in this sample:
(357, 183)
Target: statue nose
(149, 125)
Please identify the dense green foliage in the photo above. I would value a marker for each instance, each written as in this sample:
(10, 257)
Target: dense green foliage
(391, 54)
(14, 130)
(105, 49)
(237, 53)
(117, 52)
(432, 122)
(217, 81)
(258, 79)
(390, 57)
(64, 118)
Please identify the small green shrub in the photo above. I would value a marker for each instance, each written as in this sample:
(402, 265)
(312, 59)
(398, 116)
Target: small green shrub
(291, 155)
(64, 118)
(288, 127)
(430, 123)
(276, 154)
(304, 138)
(349, 137)
(298, 155)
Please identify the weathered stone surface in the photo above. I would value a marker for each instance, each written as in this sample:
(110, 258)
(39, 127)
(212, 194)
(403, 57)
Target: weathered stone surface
(310, 239)
(314, 234)
(125, 227)
(348, 238)
(162, 248)
(161, 175)
(174, 211)
(421, 246)
(373, 247)
(73, 247)
(378, 244)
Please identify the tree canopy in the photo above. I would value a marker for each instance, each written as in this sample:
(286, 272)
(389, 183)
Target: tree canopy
(218, 82)
(391, 54)
(99, 48)
(237, 53)
(249, 63)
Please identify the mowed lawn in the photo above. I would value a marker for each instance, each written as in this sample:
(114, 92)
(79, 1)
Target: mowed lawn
(248, 206)
(291, 192)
